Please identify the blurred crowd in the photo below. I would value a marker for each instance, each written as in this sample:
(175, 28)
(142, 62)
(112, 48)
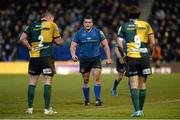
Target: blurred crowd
(165, 21)
(108, 16)
(16, 15)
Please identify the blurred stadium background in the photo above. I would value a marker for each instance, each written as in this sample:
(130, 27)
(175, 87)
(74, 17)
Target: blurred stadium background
(108, 14)
(163, 97)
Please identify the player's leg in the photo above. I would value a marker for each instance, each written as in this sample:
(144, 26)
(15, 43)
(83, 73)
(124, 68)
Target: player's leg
(48, 70)
(116, 82)
(47, 91)
(142, 92)
(133, 74)
(145, 71)
(97, 86)
(47, 95)
(34, 72)
(134, 81)
(120, 68)
(31, 92)
(85, 72)
(85, 87)
(96, 72)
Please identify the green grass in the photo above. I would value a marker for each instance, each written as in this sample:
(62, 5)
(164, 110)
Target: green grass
(163, 98)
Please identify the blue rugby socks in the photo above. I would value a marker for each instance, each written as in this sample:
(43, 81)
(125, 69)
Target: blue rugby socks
(86, 92)
(116, 82)
(97, 91)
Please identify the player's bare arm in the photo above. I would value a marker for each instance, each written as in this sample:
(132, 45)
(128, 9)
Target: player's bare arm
(24, 40)
(120, 43)
(73, 51)
(151, 42)
(107, 51)
(58, 41)
(119, 55)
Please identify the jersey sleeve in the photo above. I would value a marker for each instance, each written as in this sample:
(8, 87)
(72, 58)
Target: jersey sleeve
(56, 33)
(150, 31)
(27, 30)
(76, 38)
(120, 32)
(102, 36)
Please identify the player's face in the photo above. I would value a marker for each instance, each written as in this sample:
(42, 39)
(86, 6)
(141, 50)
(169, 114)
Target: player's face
(51, 18)
(88, 24)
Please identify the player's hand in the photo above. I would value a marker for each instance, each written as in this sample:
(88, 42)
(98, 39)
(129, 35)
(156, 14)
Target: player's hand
(108, 61)
(121, 60)
(36, 48)
(74, 58)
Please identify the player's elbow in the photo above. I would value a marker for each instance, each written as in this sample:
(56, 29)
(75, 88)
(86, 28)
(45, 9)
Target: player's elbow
(58, 41)
(152, 42)
(23, 40)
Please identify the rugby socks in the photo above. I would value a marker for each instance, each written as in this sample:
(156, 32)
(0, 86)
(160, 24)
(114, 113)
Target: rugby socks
(31, 92)
(86, 93)
(135, 98)
(116, 82)
(47, 96)
(142, 96)
(97, 91)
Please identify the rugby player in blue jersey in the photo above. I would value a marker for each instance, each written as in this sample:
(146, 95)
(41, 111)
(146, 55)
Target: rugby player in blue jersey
(120, 68)
(90, 39)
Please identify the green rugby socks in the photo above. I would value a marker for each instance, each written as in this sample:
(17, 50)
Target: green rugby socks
(135, 98)
(31, 92)
(142, 96)
(47, 96)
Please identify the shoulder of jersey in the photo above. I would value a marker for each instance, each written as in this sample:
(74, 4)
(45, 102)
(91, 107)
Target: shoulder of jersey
(142, 21)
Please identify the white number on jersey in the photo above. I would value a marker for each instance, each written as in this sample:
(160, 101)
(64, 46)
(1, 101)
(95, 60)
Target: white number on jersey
(41, 41)
(137, 40)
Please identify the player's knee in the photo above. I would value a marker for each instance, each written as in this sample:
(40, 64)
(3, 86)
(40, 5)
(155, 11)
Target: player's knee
(32, 82)
(120, 78)
(86, 81)
(47, 80)
(142, 86)
(97, 80)
(134, 85)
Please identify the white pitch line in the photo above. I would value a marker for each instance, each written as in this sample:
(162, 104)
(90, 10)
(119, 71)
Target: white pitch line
(123, 106)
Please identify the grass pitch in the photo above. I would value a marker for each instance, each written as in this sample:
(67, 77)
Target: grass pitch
(162, 101)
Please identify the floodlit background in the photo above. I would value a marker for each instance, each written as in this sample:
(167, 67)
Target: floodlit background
(163, 100)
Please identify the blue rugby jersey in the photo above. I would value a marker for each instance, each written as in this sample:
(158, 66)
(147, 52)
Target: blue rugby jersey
(89, 42)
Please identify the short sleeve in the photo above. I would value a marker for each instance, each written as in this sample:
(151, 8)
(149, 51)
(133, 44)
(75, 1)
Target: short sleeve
(56, 33)
(150, 31)
(76, 37)
(27, 30)
(102, 36)
(120, 32)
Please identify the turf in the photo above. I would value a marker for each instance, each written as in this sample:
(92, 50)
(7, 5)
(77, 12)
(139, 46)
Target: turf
(163, 99)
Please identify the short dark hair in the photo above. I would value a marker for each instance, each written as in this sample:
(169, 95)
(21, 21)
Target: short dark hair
(134, 12)
(88, 17)
(47, 12)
